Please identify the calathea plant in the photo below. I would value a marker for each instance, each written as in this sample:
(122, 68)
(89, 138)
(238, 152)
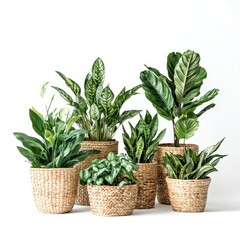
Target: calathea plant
(192, 165)
(143, 141)
(99, 111)
(115, 170)
(175, 96)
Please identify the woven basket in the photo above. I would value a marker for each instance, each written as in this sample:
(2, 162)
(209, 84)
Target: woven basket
(112, 200)
(162, 190)
(147, 176)
(104, 147)
(54, 189)
(188, 195)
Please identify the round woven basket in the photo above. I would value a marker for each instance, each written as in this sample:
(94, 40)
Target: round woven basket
(54, 189)
(188, 195)
(104, 147)
(147, 176)
(162, 189)
(112, 200)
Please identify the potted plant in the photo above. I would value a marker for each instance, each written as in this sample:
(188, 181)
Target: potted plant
(111, 185)
(99, 113)
(141, 145)
(176, 99)
(188, 179)
(52, 157)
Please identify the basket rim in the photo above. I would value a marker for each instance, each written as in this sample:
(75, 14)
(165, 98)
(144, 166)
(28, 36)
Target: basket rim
(188, 180)
(109, 141)
(151, 163)
(52, 169)
(181, 145)
(109, 186)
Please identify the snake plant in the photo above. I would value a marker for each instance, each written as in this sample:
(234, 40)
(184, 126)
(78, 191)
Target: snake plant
(143, 141)
(192, 165)
(99, 111)
(176, 97)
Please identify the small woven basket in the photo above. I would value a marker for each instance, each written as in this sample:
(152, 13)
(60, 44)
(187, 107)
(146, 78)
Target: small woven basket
(188, 195)
(54, 189)
(147, 176)
(162, 189)
(104, 147)
(112, 200)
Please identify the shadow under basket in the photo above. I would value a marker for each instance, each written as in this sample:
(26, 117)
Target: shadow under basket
(54, 189)
(188, 195)
(162, 188)
(112, 200)
(104, 147)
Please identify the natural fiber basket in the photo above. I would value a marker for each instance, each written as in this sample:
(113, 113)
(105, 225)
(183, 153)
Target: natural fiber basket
(162, 190)
(147, 176)
(54, 189)
(104, 147)
(188, 195)
(112, 200)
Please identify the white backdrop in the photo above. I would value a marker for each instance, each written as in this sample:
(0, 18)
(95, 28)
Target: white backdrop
(39, 37)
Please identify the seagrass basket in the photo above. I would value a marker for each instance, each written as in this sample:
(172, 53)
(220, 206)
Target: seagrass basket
(188, 195)
(54, 189)
(147, 176)
(162, 189)
(112, 200)
(104, 147)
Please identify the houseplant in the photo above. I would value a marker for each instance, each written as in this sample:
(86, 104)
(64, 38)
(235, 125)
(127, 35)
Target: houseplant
(99, 112)
(188, 179)
(53, 157)
(141, 145)
(111, 185)
(176, 99)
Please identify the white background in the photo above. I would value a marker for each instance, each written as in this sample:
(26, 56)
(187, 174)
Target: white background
(39, 37)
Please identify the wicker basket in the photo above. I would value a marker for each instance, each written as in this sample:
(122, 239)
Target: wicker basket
(147, 176)
(104, 147)
(54, 189)
(188, 195)
(162, 190)
(112, 200)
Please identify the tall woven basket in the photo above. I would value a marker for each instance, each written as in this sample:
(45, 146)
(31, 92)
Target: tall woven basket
(54, 189)
(162, 189)
(104, 147)
(188, 195)
(112, 200)
(147, 176)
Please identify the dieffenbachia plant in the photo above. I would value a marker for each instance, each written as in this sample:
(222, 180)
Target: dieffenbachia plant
(99, 111)
(176, 97)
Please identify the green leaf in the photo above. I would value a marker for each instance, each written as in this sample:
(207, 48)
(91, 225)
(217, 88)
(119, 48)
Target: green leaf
(124, 116)
(203, 170)
(43, 89)
(94, 112)
(106, 99)
(64, 95)
(37, 122)
(139, 149)
(185, 127)
(186, 71)
(98, 71)
(148, 117)
(128, 145)
(30, 156)
(90, 88)
(153, 128)
(172, 61)
(205, 109)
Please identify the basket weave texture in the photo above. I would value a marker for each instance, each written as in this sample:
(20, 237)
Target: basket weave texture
(112, 200)
(104, 147)
(54, 189)
(147, 176)
(188, 195)
(162, 189)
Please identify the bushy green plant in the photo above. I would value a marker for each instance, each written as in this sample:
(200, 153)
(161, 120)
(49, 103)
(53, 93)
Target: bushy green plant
(175, 98)
(115, 170)
(192, 165)
(143, 141)
(59, 143)
(98, 112)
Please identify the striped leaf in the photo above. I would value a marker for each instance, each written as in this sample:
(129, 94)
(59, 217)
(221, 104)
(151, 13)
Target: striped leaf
(172, 61)
(106, 99)
(98, 71)
(139, 149)
(64, 95)
(90, 88)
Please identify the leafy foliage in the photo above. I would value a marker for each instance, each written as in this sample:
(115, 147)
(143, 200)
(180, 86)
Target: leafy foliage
(192, 165)
(115, 170)
(59, 145)
(98, 112)
(175, 97)
(143, 141)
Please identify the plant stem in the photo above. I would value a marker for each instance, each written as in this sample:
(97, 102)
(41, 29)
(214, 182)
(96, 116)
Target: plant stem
(176, 140)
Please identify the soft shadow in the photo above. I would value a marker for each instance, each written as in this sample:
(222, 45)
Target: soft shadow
(78, 208)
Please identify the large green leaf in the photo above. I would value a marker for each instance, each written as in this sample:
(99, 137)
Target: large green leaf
(30, 156)
(124, 116)
(172, 61)
(37, 122)
(64, 95)
(94, 112)
(90, 88)
(98, 71)
(106, 99)
(153, 127)
(139, 149)
(208, 107)
(158, 93)
(186, 71)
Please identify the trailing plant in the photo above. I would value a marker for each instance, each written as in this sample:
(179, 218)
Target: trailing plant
(99, 111)
(115, 170)
(143, 141)
(175, 98)
(59, 143)
(192, 165)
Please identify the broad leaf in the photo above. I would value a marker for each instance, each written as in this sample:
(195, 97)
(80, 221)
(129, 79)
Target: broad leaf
(37, 122)
(172, 61)
(106, 99)
(90, 88)
(94, 112)
(98, 71)
(139, 149)
(64, 95)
